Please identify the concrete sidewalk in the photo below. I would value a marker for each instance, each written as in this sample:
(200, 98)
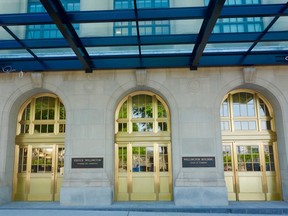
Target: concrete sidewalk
(143, 208)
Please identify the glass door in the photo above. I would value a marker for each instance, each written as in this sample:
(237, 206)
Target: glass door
(250, 171)
(38, 173)
(143, 172)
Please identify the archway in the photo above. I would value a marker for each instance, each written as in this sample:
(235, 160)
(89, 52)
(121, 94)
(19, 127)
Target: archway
(251, 166)
(143, 166)
(39, 151)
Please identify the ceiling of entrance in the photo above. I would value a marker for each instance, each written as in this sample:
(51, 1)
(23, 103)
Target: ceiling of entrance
(97, 37)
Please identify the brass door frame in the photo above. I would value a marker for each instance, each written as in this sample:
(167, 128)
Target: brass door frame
(156, 170)
(262, 163)
(53, 175)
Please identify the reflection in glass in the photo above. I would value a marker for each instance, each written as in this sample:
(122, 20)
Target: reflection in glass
(163, 159)
(22, 160)
(142, 113)
(48, 30)
(148, 27)
(248, 158)
(227, 160)
(142, 106)
(143, 127)
(143, 159)
(269, 158)
(60, 165)
(224, 111)
(239, 24)
(41, 160)
(123, 111)
(250, 112)
(161, 110)
(122, 159)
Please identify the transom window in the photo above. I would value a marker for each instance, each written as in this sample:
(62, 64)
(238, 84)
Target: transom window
(158, 27)
(245, 111)
(48, 30)
(43, 114)
(142, 113)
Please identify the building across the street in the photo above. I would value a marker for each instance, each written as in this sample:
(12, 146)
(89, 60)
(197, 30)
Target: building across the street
(143, 100)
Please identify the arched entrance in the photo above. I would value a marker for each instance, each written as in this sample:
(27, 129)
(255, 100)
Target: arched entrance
(143, 169)
(39, 152)
(250, 156)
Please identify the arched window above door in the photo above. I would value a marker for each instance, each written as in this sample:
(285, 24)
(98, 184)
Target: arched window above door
(246, 111)
(142, 112)
(43, 113)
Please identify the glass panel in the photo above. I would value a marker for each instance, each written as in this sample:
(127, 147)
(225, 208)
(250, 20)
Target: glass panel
(240, 24)
(269, 46)
(280, 25)
(41, 160)
(122, 159)
(187, 48)
(143, 159)
(121, 50)
(26, 113)
(62, 128)
(264, 111)
(248, 158)
(224, 111)
(227, 158)
(225, 125)
(45, 108)
(162, 126)
(265, 125)
(248, 2)
(60, 165)
(161, 110)
(123, 111)
(243, 104)
(55, 52)
(269, 158)
(143, 127)
(122, 127)
(227, 47)
(6, 54)
(4, 35)
(142, 106)
(245, 125)
(62, 111)
(22, 163)
(163, 159)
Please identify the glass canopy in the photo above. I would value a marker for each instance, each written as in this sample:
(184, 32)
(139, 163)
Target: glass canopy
(50, 35)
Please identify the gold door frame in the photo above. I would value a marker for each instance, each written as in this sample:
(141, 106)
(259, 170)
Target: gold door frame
(142, 118)
(125, 189)
(35, 181)
(236, 180)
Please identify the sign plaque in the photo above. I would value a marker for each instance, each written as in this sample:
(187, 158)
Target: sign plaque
(198, 162)
(87, 162)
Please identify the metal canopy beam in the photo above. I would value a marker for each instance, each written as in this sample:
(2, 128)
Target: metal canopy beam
(145, 40)
(143, 14)
(138, 32)
(259, 38)
(213, 12)
(59, 17)
(153, 61)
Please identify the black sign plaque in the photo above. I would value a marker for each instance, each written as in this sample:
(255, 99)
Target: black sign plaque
(198, 161)
(87, 162)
